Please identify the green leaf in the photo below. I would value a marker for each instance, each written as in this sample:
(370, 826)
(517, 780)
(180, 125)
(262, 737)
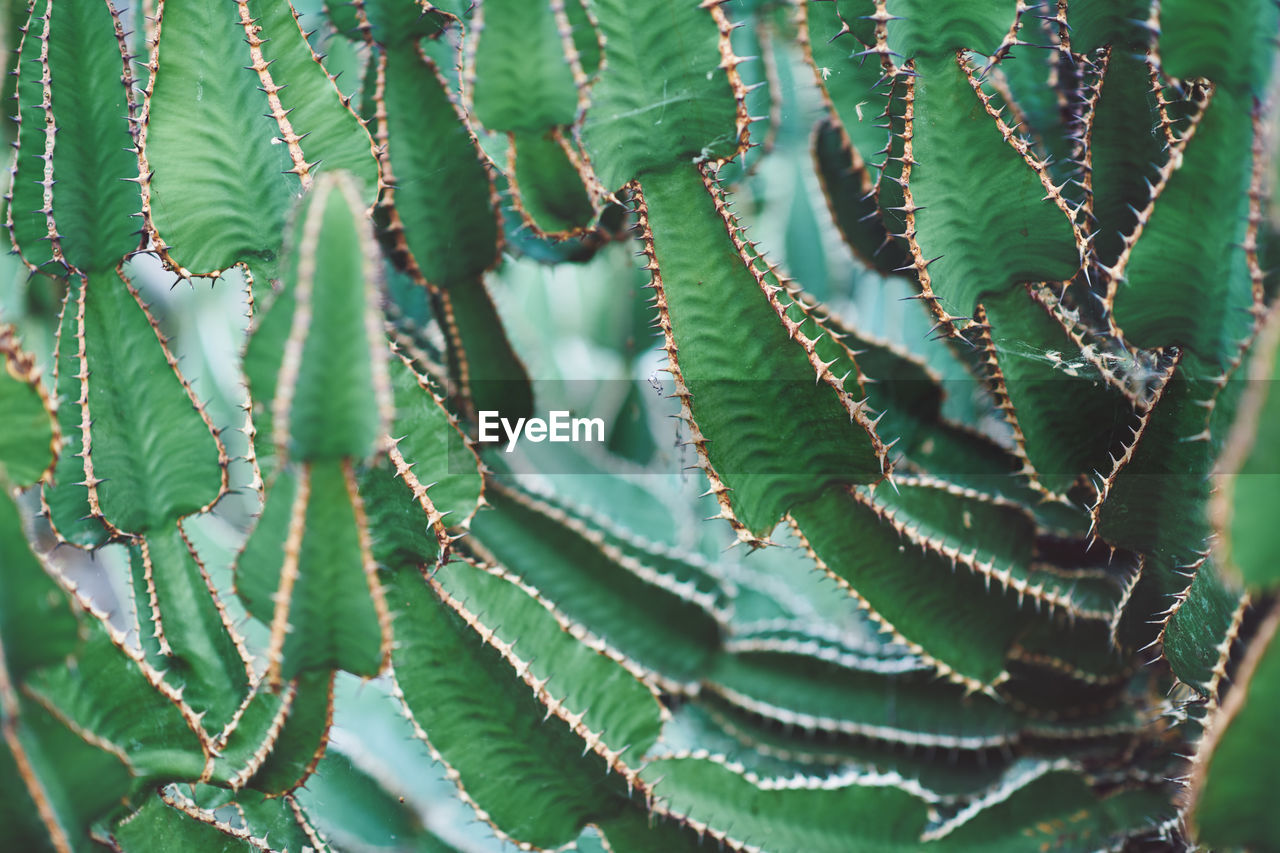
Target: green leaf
(922, 29)
(638, 831)
(1247, 476)
(443, 195)
(153, 456)
(117, 703)
(194, 642)
(485, 369)
(547, 181)
(1152, 500)
(1032, 78)
(881, 811)
(1077, 671)
(808, 692)
(331, 396)
(281, 821)
(1038, 801)
(1127, 144)
(657, 610)
(445, 231)
(1050, 803)
(1193, 234)
(763, 747)
(971, 176)
(268, 337)
(1097, 23)
(521, 79)
(308, 572)
(623, 713)
(329, 133)
(429, 439)
(161, 824)
(524, 76)
(357, 812)
(847, 79)
(27, 224)
(663, 96)
(586, 41)
(1046, 388)
(848, 184)
(774, 427)
(954, 621)
(392, 22)
(37, 624)
(297, 747)
(219, 190)
(906, 395)
(994, 539)
(277, 738)
(1201, 628)
(29, 435)
(18, 811)
(70, 781)
(482, 716)
(970, 458)
(1231, 43)
(401, 528)
(80, 152)
(433, 483)
(1232, 805)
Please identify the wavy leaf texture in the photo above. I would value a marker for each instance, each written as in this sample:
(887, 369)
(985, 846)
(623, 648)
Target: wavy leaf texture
(75, 151)
(958, 316)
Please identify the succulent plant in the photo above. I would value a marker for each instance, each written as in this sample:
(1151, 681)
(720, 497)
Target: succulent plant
(262, 567)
